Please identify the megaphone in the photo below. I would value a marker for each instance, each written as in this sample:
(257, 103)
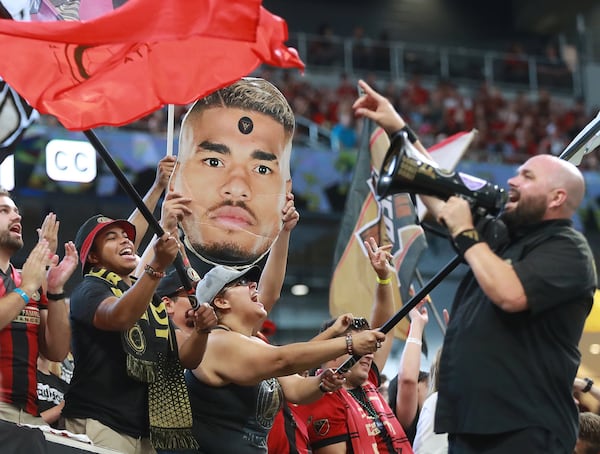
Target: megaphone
(404, 169)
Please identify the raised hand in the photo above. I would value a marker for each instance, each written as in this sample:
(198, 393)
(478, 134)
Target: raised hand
(165, 250)
(174, 208)
(341, 324)
(378, 108)
(380, 258)
(34, 268)
(418, 314)
(164, 171)
(59, 273)
(49, 231)
(290, 215)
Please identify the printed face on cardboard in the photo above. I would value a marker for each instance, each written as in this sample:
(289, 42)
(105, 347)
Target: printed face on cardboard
(230, 164)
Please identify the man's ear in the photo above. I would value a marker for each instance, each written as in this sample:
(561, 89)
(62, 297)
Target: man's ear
(92, 258)
(559, 197)
(169, 305)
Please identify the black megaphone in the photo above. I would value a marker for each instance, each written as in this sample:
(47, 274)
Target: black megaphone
(406, 170)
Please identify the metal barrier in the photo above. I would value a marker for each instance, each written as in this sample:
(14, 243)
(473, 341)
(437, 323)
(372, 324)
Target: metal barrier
(397, 60)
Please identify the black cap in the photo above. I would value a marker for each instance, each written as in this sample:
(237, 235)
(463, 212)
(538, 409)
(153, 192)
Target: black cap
(170, 285)
(90, 228)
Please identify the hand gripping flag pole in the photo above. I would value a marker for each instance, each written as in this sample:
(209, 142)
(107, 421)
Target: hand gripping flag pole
(404, 310)
(140, 205)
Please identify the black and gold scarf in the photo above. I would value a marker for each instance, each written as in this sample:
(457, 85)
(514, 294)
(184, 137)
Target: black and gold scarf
(152, 357)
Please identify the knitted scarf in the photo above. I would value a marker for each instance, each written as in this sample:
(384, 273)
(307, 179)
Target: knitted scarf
(152, 357)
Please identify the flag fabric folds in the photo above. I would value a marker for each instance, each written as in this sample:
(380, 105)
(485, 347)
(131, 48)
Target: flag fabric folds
(15, 117)
(145, 54)
(390, 221)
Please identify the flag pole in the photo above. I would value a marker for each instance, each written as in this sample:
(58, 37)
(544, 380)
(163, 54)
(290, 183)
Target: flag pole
(404, 310)
(170, 128)
(436, 314)
(580, 142)
(139, 203)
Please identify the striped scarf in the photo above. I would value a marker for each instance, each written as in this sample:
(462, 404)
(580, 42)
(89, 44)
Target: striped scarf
(151, 349)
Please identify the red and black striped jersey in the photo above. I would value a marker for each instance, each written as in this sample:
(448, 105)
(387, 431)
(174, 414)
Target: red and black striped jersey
(19, 348)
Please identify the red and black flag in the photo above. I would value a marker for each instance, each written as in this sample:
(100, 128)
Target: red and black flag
(125, 64)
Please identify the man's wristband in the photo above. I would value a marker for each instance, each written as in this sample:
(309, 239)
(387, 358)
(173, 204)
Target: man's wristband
(153, 273)
(588, 385)
(414, 340)
(465, 240)
(22, 294)
(349, 344)
(385, 281)
(55, 296)
(410, 134)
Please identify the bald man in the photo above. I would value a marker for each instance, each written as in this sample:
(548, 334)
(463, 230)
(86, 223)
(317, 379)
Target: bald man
(510, 351)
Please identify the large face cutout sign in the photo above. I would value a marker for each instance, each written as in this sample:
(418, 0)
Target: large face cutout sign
(233, 163)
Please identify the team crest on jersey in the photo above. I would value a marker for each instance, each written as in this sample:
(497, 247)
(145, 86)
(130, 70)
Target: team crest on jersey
(321, 427)
(29, 315)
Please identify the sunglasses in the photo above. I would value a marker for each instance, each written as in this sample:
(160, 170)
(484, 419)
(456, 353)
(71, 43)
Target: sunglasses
(241, 282)
(359, 323)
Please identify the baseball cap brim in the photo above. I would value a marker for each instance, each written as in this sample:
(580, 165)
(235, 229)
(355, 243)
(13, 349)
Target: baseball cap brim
(217, 278)
(93, 227)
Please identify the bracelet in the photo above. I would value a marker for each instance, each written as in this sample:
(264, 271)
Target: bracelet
(385, 281)
(410, 134)
(55, 296)
(413, 340)
(153, 273)
(22, 294)
(465, 240)
(349, 344)
(322, 388)
(588, 385)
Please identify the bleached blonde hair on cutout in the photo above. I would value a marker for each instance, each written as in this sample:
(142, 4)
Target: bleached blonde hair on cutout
(253, 94)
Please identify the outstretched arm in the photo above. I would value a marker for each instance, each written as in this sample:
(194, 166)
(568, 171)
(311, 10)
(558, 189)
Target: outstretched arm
(407, 397)
(119, 314)
(163, 173)
(250, 360)
(271, 279)
(304, 390)
(192, 343)
(378, 108)
(383, 307)
(174, 208)
(55, 330)
(583, 383)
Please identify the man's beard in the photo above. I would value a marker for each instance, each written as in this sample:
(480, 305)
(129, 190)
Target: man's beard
(528, 211)
(9, 242)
